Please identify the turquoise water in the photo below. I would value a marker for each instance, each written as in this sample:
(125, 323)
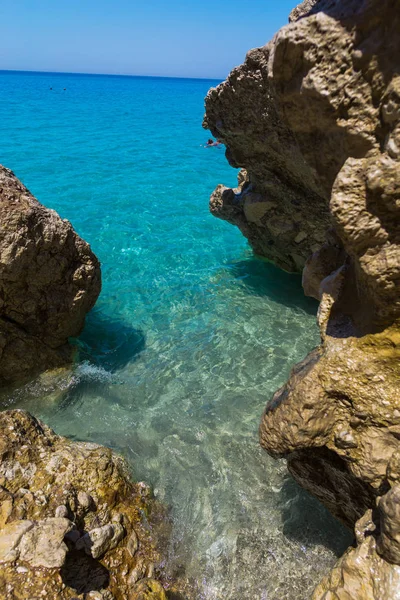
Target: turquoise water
(191, 334)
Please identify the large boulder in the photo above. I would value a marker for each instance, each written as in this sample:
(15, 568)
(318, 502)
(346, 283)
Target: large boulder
(49, 280)
(72, 522)
(314, 118)
(292, 115)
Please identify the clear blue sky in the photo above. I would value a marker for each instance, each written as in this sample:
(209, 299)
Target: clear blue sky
(178, 38)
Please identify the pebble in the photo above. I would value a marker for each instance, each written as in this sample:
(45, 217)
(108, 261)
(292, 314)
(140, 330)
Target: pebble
(85, 500)
(61, 511)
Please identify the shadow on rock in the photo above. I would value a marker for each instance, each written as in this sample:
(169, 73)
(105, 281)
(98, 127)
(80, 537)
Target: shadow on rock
(264, 279)
(307, 521)
(83, 573)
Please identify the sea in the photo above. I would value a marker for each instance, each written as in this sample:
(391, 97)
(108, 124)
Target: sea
(191, 335)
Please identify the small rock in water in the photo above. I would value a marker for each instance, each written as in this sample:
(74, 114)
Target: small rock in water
(150, 570)
(137, 573)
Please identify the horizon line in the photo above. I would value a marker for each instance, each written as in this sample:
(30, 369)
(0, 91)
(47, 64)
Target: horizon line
(107, 74)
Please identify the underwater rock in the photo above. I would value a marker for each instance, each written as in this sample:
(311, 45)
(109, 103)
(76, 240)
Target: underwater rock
(82, 554)
(314, 118)
(49, 280)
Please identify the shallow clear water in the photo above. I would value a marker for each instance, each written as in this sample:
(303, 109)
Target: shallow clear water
(191, 334)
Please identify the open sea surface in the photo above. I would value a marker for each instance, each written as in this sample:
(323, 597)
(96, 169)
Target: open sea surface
(191, 334)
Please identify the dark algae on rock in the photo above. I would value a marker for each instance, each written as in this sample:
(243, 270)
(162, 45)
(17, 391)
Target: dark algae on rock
(313, 118)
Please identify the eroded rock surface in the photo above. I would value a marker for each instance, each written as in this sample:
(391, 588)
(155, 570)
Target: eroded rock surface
(72, 524)
(295, 112)
(314, 119)
(49, 280)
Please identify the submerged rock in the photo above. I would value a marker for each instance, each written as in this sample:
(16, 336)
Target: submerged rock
(101, 537)
(314, 118)
(49, 280)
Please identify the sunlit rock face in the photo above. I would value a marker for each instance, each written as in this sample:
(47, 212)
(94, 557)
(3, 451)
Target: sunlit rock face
(293, 114)
(72, 523)
(314, 118)
(49, 280)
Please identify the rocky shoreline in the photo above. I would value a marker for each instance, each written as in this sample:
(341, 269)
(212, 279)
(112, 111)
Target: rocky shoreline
(72, 522)
(314, 120)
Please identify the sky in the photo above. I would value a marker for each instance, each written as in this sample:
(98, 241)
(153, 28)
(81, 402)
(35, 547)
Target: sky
(172, 38)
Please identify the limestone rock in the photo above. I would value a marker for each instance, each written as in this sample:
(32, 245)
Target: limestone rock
(61, 511)
(45, 555)
(49, 280)
(361, 574)
(302, 10)
(347, 390)
(101, 539)
(141, 570)
(84, 500)
(133, 543)
(43, 545)
(296, 110)
(10, 536)
(389, 539)
(314, 118)
(321, 264)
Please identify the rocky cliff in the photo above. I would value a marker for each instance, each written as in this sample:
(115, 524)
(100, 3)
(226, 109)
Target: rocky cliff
(49, 280)
(72, 524)
(314, 119)
(294, 113)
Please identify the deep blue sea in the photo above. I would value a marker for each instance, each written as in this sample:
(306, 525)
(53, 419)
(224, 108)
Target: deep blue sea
(191, 334)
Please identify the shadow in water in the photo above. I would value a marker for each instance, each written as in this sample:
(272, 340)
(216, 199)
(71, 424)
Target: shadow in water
(109, 342)
(264, 279)
(106, 345)
(307, 521)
